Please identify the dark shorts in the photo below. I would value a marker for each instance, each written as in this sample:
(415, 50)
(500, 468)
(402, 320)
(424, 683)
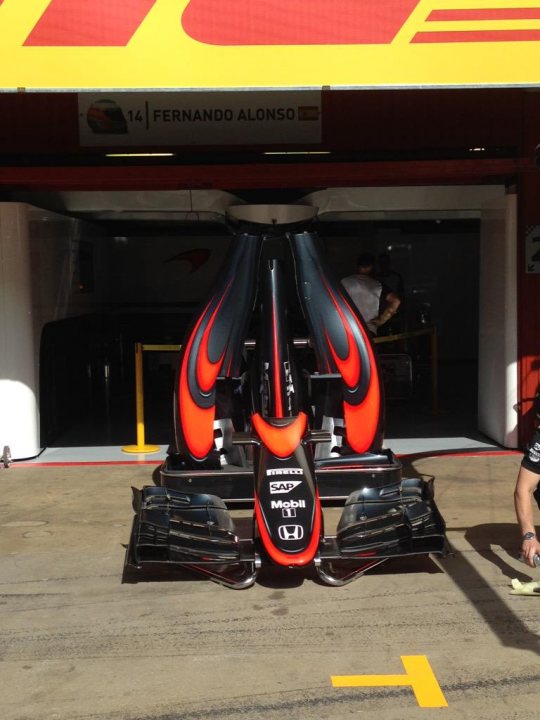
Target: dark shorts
(531, 459)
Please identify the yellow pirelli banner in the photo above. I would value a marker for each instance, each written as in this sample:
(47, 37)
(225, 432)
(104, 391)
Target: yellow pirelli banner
(221, 44)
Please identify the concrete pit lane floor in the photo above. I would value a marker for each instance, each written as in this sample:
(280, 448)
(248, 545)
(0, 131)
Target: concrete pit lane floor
(78, 643)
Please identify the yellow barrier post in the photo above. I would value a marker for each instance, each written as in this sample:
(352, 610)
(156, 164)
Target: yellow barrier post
(141, 446)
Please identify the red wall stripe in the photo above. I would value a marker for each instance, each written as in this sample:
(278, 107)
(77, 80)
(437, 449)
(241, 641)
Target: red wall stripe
(295, 22)
(460, 36)
(532, 13)
(70, 23)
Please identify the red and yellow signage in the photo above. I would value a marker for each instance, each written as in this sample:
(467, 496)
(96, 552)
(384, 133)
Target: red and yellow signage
(203, 44)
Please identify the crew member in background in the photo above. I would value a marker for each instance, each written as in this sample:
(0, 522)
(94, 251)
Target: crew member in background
(376, 303)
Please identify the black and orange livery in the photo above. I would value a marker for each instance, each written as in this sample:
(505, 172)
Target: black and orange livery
(278, 407)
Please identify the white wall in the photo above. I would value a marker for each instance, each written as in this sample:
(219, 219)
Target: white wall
(498, 359)
(39, 282)
(19, 419)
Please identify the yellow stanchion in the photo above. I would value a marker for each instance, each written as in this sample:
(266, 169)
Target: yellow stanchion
(141, 446)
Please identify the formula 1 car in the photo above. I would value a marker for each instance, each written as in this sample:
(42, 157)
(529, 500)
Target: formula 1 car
(279, 409)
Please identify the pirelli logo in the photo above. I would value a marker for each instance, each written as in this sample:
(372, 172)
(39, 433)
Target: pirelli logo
(72, 23)
(156, 44)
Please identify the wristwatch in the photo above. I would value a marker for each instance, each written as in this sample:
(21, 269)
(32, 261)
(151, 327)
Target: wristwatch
(529, 536)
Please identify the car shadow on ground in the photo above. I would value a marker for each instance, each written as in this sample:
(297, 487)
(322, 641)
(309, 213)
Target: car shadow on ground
(500, 615)
(486, 538)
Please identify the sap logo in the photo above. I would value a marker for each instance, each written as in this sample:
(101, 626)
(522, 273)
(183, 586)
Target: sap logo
(287, 504)
(283, 486)
(291, 532)
(285, 471)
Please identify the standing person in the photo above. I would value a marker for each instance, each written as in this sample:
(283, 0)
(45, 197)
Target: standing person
(368, 294)
(526, 485)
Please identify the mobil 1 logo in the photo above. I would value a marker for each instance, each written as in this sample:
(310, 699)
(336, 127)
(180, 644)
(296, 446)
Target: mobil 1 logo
(288, 507)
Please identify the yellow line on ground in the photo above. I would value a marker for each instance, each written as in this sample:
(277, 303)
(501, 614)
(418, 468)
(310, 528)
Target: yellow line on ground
(418, 675)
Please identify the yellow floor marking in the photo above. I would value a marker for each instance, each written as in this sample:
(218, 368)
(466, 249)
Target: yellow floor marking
(418, 675)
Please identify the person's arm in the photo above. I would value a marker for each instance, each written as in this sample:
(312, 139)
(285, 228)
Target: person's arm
(392, 305)
(523, 495)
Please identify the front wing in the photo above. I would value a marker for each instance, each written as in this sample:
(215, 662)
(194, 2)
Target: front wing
(388, 517)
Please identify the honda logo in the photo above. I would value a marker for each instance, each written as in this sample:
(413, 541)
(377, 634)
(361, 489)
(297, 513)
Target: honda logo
(291, 532)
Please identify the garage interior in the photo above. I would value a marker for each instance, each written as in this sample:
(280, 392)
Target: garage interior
(136, 265)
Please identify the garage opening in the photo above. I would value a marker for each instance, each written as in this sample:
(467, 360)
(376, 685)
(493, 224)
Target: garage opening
(109, 270)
